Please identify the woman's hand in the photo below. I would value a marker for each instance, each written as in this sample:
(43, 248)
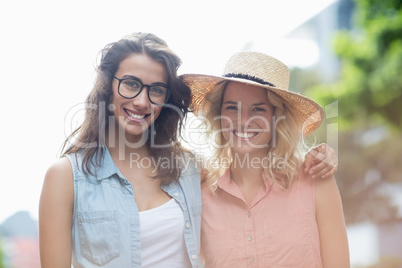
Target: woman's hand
(321, 161)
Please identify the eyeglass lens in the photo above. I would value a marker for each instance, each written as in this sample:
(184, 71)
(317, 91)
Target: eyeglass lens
(130, 88)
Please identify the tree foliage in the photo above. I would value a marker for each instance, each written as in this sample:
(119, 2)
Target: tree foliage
(370, 88)
(369, 115)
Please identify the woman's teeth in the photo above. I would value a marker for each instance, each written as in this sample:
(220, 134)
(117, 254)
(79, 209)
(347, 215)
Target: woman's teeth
(245, 134)
(135, 116)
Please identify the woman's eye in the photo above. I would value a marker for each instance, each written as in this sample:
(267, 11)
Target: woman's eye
(231, 107)
(132, 83)
(157, 90)
(257, 109)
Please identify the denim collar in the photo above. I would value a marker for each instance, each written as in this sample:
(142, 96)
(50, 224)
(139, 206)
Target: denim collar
(107, 167)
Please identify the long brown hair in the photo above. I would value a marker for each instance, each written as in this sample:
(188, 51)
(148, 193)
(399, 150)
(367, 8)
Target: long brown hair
(90, 136)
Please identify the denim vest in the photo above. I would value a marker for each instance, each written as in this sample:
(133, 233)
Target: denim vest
(105, 227)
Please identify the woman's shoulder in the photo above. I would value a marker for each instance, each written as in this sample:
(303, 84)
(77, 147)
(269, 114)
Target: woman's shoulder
(58, 183)
(60, 165)
(61, 170)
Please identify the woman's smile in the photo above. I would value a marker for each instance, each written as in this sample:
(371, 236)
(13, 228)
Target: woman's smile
(135, 116)
(244, 135)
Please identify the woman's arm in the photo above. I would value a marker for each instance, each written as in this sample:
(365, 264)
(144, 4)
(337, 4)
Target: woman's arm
(321, 161)
(331, 224)
(55, 215)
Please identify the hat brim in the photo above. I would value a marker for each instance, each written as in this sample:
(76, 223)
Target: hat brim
(310, 112)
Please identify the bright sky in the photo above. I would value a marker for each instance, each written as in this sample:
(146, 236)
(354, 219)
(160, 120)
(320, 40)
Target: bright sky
(49, 48)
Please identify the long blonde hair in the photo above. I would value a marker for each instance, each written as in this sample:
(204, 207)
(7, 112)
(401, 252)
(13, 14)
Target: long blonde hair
(286, 143)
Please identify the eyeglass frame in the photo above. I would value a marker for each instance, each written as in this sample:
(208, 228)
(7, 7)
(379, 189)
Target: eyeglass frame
(142, 86)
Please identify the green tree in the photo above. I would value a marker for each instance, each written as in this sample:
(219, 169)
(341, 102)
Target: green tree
(369, 97)
(370, 88)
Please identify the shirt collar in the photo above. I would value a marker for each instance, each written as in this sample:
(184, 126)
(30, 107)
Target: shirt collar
(107, 167)
(226, 184)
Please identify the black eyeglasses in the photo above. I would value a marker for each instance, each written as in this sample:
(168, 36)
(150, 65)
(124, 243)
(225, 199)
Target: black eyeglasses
(130, 88)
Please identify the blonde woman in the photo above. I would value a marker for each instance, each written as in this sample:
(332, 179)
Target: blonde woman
(259, 208)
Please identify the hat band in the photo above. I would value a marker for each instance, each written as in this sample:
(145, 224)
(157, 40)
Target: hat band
(249, 77)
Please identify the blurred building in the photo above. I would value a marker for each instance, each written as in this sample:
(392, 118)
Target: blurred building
(19, 241)
(320, 29)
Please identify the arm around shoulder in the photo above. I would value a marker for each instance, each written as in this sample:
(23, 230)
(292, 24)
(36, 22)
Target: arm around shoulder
(55, 215)
(331, 224)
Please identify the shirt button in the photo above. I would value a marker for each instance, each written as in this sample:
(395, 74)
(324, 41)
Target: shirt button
(249, 214)
(251, 259)
(176, 194)
(188, 225)
(250, 238)
(194, 257)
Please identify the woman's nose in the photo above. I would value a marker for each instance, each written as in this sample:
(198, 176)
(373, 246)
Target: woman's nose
(243, 117)
(142, 99)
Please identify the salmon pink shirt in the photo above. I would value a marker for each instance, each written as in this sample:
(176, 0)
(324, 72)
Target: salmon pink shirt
(278, 229)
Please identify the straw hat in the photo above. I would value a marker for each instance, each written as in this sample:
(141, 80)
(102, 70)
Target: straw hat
(260, 70)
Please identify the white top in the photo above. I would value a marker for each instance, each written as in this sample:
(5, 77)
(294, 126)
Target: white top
(162, 237)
